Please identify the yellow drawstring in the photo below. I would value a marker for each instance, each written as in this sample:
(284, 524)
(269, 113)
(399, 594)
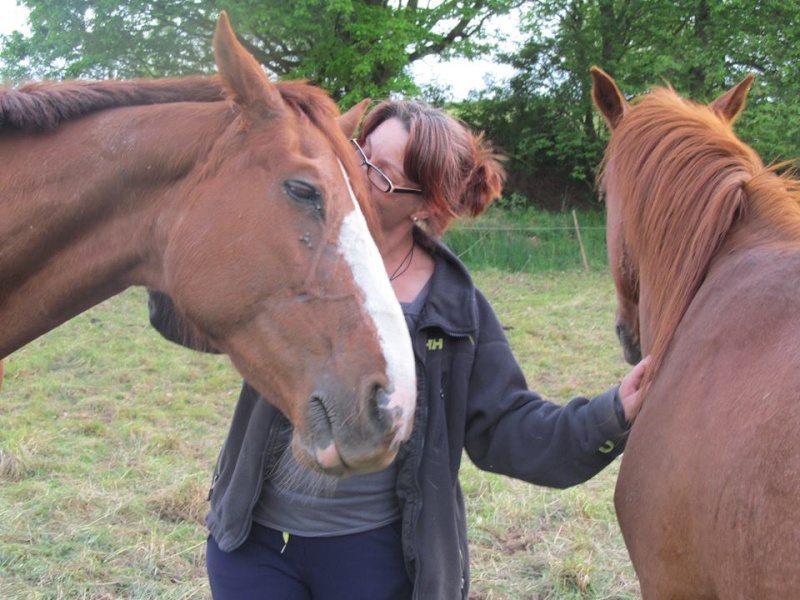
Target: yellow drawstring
(285, 541)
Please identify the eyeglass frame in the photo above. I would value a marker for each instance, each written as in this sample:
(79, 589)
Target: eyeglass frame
(393, 189)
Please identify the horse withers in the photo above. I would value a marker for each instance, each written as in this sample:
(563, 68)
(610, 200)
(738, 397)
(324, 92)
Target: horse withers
(232, 195)
(704, 246)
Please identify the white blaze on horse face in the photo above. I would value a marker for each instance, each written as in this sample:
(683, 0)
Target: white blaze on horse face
(361, 253)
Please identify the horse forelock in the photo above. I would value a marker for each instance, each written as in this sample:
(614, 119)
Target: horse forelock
(682, 179)
(317, 105)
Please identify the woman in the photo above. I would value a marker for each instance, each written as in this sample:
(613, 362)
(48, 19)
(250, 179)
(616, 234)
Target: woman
(402, 533)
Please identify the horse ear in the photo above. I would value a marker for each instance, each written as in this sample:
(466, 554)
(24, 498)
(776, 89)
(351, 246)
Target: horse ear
(244, 80)
(349, 121)
(607, 97)
(730, 104)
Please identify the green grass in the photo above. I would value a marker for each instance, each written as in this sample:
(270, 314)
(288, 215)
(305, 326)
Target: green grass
(108, 436)
(531, 241)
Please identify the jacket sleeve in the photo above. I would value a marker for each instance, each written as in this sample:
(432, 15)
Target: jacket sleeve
(514, 431)
(173, 326)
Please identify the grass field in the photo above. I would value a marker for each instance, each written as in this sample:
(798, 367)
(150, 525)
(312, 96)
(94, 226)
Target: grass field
(108, 436)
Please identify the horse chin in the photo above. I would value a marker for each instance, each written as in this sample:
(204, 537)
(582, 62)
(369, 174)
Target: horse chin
(329, 461)
(322, 460)
(631, 346)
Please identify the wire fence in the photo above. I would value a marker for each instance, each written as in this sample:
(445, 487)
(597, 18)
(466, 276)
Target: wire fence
(530, 249)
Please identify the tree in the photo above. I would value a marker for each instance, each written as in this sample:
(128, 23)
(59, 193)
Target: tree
(353, 48)
(552, 135)
(702, 48)
(544, 118)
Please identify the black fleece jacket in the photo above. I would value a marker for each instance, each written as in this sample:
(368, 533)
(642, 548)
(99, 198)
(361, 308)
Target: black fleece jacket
(473, 396)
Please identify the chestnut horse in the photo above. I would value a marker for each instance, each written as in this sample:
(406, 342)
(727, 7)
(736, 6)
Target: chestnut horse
(230, 194)
(704, 245)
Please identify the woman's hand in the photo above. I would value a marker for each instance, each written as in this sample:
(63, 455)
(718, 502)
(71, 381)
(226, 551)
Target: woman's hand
(630, 392)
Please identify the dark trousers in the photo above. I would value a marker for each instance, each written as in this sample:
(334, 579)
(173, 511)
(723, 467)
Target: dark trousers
(361, 566)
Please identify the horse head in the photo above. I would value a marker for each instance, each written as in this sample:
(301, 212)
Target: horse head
(293, 288)
(632, 189)
(613, 106)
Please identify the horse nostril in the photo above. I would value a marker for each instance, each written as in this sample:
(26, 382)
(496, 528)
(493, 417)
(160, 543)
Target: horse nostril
(383, 415)
(379, 396)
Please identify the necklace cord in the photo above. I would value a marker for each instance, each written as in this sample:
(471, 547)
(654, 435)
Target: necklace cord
(405, 263)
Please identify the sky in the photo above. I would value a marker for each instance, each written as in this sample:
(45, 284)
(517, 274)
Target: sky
(11, 16)
(461, 75)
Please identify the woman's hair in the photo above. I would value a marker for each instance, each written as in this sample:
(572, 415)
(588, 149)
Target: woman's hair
(458, 172)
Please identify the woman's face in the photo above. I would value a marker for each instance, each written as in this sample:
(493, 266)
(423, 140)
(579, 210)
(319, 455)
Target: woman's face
(385, 148)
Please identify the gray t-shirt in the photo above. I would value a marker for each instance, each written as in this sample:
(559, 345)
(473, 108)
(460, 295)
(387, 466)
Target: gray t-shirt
(302, 502)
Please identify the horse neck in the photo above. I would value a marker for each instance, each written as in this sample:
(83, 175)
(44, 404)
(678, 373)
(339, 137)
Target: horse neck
(85, 210)
(764, 213)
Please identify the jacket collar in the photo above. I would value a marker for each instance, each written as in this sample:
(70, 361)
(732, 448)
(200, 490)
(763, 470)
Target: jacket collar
(450, 303)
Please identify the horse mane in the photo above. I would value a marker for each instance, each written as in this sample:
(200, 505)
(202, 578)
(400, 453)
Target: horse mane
(684, 180)
(43, 106)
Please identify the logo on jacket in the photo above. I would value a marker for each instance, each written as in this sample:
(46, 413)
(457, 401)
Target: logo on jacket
(435, 343)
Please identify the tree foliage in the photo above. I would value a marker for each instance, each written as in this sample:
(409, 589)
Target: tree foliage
(544, 119)
(353, 48)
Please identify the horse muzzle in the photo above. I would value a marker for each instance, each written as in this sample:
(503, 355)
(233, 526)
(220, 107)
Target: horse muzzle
(341, 437)
(631, 345)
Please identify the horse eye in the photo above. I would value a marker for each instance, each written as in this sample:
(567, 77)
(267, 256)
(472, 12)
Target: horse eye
(304, 193)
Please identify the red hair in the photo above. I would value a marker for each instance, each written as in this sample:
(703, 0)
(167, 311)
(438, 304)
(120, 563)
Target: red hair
(457, 170)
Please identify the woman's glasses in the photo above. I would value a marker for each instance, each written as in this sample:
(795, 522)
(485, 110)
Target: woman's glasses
(378, 178)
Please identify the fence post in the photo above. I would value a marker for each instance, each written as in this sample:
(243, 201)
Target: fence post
(580, 240)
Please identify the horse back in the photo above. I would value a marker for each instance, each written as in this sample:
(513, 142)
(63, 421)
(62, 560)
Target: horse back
(708, 488)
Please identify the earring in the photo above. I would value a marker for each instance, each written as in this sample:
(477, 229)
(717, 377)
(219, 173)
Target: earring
(415, 219)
